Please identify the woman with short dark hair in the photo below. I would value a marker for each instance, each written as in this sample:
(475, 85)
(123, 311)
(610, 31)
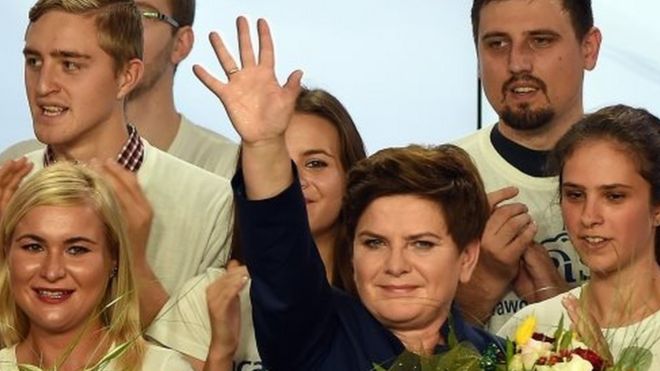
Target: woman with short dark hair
(408, 253)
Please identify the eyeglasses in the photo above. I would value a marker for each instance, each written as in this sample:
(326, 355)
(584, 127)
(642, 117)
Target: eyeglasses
(158, 16)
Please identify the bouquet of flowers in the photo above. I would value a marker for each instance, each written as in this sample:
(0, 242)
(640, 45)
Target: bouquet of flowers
(565, 350)
(533, 351)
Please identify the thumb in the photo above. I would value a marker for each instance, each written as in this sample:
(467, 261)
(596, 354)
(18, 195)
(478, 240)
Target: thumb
(292, 85)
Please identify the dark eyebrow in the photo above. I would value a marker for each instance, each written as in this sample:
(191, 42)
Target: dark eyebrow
(422, 235)
(608, 187)
(371, 234)
(29, 51)
(605, 187)
(539, 32)
(317, 152)
(543, 32)
(570, 185)
(494, 34)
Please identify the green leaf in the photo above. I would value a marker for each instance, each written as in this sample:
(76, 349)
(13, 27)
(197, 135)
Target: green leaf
(452, 341)
(405, 362)
(29, 368)
(462, 357)
(634, 358)
(559, 332)
(114, 353)
(566, 340)
(510, 350)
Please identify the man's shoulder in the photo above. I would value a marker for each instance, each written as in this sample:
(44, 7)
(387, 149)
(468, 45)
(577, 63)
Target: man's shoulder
(192, 130)
(195, 139)
(473, 141)
(205, 148)
(20, 149)
(164, 166)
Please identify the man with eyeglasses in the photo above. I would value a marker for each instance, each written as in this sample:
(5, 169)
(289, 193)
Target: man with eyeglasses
(168, 39)
(80, 66)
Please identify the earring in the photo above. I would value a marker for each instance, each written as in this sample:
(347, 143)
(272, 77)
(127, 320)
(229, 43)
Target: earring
(113, 272)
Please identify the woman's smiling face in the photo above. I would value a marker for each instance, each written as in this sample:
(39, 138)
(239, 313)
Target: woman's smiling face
(60, 266)
(407, 266)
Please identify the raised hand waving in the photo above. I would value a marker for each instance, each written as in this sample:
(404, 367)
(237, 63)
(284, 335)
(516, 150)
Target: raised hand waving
(258, 106)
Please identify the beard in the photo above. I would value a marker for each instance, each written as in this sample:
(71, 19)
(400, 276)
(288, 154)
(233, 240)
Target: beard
(523, 116)
(154, 71)
(147, 83)
(526, 118)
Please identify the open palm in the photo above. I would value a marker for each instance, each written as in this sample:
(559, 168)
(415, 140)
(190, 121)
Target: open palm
(259, 108)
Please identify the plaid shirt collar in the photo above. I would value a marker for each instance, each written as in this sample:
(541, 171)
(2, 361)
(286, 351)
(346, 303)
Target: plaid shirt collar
(130, 157)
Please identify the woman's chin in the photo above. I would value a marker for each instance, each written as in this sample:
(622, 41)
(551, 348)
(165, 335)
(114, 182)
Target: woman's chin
(404, 315)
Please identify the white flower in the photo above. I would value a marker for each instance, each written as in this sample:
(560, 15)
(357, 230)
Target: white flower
(515, 364)
(576, 363)
(532, 351)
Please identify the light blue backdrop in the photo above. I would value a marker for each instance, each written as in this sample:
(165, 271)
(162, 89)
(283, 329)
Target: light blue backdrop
(405, 69)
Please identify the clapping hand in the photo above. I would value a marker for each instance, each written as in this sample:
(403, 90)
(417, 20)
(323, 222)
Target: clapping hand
(509, 232)
(223, 300)
(538, 278)
(12, 173)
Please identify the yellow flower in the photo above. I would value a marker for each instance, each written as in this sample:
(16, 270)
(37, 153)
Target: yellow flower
(525, 330)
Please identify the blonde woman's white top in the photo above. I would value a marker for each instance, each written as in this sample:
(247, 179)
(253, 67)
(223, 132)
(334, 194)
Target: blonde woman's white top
(155, 359)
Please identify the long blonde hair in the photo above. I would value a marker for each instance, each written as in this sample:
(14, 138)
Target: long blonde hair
(66, 184)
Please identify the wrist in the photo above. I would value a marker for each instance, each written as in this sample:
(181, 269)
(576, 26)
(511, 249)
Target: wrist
(220, 354)
(266, 169)
(273, 143)
(490, 284)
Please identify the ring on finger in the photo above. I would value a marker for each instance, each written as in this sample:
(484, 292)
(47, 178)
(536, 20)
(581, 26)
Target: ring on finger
(232, 71)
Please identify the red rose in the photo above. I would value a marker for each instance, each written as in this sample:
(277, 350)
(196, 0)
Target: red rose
(541, 337)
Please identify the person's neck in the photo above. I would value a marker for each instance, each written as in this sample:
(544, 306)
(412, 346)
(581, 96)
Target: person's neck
(68, 351)
(325, 243)
(154, 114)
(545, 138)
(424, 340)
(105, 141)
(626, 296)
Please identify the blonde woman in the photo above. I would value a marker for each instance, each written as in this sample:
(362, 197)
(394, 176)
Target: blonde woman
(68, 298)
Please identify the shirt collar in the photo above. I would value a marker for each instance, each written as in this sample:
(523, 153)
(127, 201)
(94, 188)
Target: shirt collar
(130, 157)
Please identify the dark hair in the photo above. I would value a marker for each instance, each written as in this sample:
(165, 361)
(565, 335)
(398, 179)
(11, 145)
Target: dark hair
(183, 11)
(635, 129)
(351, 147)
(443, 174)
(323, 104)
(582, 16)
